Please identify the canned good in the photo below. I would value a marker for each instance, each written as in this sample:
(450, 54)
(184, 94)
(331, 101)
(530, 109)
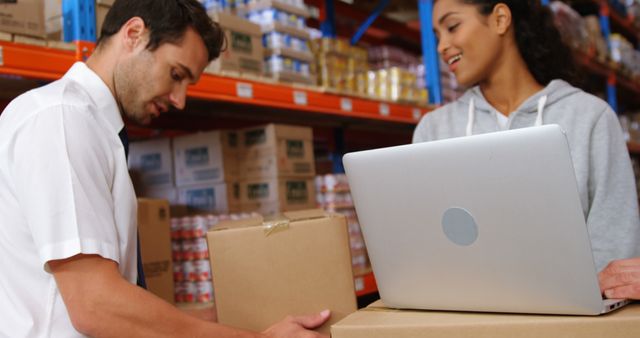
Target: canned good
(200, 248)
(186, 225)
(180, 292)
(189, 270)
(204, 291)
(188, 247)
(199, 226)
(175, 228)
(190, 293)
(176, 250)
(202, 270)
(178, 272)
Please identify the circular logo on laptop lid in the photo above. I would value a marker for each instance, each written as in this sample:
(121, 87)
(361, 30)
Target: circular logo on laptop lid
(459, 226)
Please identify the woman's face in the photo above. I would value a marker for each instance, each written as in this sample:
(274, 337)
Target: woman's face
(467, 42)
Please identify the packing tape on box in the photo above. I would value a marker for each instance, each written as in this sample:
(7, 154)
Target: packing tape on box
(274, 226)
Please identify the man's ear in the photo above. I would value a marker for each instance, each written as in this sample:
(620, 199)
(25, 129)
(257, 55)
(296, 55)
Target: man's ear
(134, 33)
(501, 18)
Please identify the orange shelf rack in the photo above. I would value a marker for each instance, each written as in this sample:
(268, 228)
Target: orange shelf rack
(50, 64)
(365, 284)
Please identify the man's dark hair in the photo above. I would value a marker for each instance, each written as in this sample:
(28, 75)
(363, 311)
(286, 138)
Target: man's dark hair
(167, 21)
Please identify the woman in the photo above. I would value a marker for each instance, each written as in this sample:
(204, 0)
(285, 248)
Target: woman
(511, 56)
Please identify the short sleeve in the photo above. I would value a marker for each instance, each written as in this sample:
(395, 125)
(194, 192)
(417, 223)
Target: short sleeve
(63, 170)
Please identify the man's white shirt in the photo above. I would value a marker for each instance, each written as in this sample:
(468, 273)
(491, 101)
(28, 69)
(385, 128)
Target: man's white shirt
(64, 190)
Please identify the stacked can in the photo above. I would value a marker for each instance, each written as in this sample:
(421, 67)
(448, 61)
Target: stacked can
(190, 253)
(334, 196)
(192, 272)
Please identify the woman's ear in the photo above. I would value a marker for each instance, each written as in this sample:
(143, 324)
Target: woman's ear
(500, 18)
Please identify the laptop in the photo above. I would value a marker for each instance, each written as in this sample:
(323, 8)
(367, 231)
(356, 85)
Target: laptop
(488, 223)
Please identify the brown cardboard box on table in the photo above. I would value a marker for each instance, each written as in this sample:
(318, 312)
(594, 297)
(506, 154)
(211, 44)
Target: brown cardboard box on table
(155, 247)
(377, 321)
(296, 264)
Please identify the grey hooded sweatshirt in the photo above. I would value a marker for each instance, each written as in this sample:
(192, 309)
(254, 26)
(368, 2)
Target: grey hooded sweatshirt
(600, 157)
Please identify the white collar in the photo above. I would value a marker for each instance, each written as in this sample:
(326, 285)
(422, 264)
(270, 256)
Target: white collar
(99, 93)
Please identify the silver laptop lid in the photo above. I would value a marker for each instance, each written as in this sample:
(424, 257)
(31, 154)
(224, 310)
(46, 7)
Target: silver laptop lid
(490, 222)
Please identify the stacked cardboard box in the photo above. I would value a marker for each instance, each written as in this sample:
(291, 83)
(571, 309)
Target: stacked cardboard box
(277, 169)
(244, 52)
(151, 169)
(206, 171)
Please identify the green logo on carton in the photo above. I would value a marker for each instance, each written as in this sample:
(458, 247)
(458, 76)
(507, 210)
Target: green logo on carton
(241, 42)
(201, 199)
(151, 162)
(297, 192)
(196, 156)
(253, 137)
(295, 149)
(257, 191)
(232, 139)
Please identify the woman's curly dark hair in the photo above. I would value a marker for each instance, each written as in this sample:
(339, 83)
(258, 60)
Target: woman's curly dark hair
(538, 39)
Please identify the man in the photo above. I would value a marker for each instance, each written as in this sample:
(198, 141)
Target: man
(67, 206)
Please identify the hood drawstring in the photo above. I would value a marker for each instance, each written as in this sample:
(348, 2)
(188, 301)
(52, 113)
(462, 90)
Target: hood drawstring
(472, 114)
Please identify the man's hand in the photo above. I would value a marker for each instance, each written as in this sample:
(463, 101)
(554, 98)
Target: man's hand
(298, 327)
(621, 279)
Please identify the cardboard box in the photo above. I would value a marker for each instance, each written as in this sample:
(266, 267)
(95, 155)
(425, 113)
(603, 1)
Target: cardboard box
(296, 264)
(151, 162)
(244, 51)
(376, 321)
(273, 195)
(209, 157)
(155, 247)
(169, 194)
(276, 150)
(24, 17)
(105, 2)
(220, 198)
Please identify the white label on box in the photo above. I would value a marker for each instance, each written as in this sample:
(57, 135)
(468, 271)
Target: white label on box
(384, 109)
(416, 114)
(346, 104)
(1, 57)
(244, 90)
(359, 283)
(300, 98)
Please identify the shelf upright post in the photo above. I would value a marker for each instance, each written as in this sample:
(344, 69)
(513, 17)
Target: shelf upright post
(430, 52)
(328, 19)
(79, 25)
(367, 23)
(339, 151)
(605, 25)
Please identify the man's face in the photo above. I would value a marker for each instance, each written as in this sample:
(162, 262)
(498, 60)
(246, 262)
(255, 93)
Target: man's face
(147, 83)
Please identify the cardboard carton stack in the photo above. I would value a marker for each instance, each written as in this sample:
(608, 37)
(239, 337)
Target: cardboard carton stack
(334, 196)
(244, 52)
(151, 169)
(29, 22)
(277, 169)
(206, 171)
(285, 38)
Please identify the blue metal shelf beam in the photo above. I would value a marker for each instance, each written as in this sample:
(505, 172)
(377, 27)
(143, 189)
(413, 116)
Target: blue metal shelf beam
(367, 23)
